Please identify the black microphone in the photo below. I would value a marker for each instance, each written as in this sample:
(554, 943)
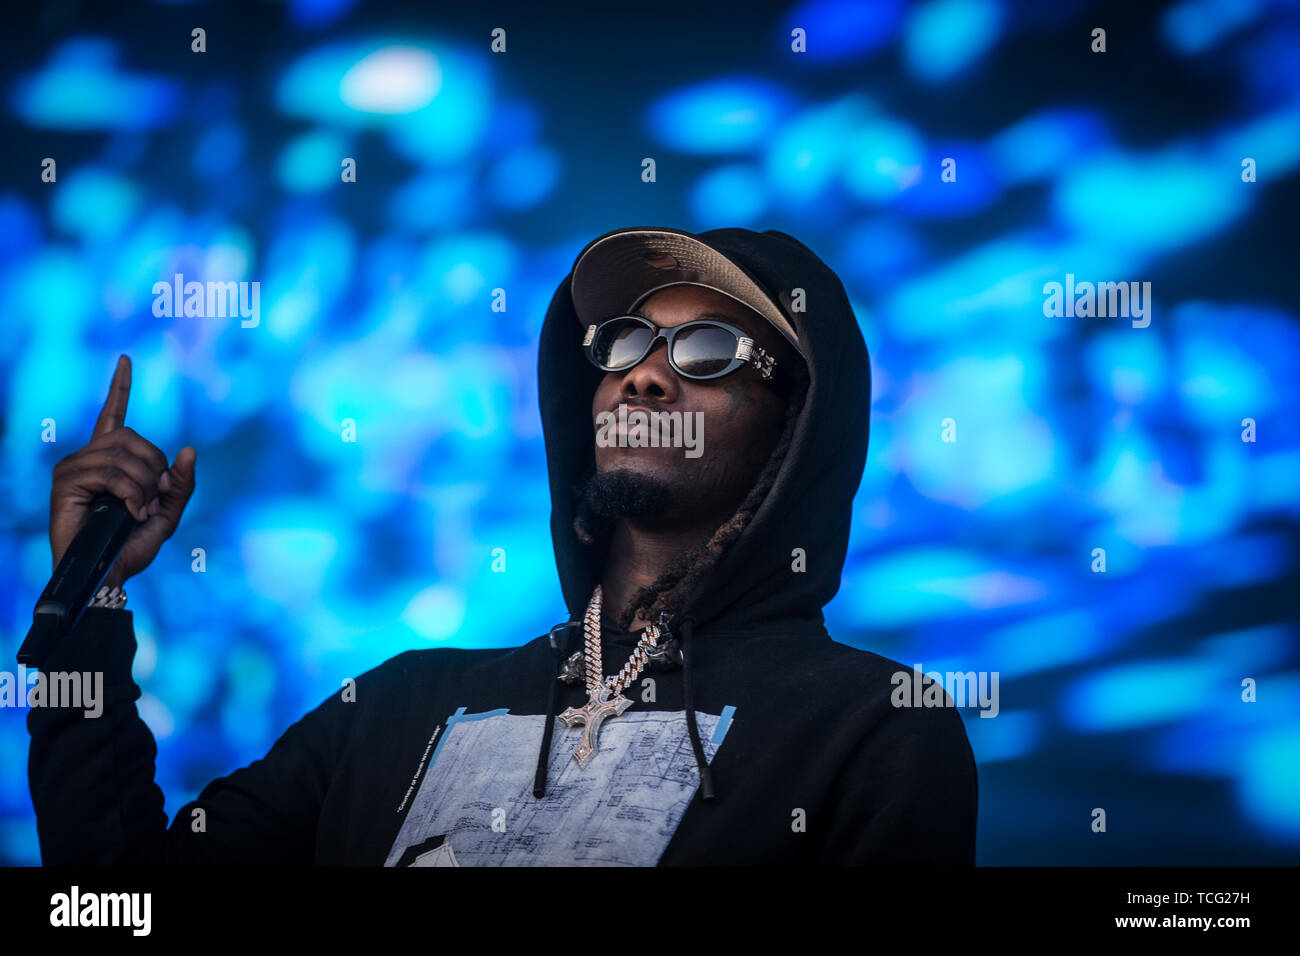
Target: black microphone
(77, 577)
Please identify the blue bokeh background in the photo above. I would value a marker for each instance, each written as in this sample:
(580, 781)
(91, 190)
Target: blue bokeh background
(479, 171)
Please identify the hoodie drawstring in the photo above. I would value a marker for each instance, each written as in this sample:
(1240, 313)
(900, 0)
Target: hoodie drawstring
(552, 695)
(688, 700)
(706, 775)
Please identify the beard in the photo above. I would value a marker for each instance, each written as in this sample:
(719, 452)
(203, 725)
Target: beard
(623, 493)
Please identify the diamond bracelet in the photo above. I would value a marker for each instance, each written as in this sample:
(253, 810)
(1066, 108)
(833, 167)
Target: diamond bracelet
(114, 598)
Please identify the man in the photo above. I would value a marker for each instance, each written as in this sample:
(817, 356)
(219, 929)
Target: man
(692, 710)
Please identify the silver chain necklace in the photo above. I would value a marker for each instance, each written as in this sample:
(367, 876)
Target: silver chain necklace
(605, 694)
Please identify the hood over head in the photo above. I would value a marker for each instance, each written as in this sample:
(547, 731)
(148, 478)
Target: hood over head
(754, 583)
(809, 506)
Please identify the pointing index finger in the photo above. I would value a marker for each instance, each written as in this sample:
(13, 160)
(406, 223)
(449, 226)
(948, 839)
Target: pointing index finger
(113, 414)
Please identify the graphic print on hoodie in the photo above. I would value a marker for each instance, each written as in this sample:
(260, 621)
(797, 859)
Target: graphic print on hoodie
(434, 762)
(620, 810)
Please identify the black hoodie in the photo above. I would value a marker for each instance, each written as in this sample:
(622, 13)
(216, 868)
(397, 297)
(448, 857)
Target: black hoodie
(437, 757)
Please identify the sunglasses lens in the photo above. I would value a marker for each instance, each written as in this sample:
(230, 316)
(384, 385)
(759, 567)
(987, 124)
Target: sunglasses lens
(621, 344)
(704, 350)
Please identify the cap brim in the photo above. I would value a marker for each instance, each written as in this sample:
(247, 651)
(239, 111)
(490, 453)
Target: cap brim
(619, 270)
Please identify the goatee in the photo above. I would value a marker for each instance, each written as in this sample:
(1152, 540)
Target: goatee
(625, 494)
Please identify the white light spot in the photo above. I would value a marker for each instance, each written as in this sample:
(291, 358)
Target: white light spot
(396, 79)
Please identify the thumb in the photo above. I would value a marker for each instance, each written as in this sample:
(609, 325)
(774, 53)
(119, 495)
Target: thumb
(180, 484)
(184, 463)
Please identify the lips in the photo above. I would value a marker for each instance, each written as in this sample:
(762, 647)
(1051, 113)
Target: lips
(622, 430)
(635, 406)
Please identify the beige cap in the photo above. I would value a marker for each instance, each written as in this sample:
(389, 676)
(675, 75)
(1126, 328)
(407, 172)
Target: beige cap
(618, 271)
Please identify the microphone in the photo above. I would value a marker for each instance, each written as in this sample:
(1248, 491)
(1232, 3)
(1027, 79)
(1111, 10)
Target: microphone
(77, 577)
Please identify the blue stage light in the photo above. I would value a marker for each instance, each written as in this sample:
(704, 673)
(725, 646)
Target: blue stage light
(843, 29)
(82, 88)
(944, 37)
(721, 116)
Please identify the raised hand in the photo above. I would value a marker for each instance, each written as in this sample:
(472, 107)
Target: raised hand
(122, 463)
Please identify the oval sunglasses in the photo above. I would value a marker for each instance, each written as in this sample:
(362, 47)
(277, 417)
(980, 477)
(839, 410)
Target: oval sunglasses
(700, 350)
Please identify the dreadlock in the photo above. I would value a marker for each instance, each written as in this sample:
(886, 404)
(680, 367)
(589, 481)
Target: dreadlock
(667, 593)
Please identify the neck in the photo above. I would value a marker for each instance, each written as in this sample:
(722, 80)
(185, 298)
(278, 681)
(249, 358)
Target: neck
(638, 555)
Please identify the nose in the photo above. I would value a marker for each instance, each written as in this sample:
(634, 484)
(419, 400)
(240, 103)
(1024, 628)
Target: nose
(653, 377)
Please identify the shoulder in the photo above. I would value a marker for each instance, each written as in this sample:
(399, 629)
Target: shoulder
(858, 673)
(421, 665)
(894, 702)
(422, 677)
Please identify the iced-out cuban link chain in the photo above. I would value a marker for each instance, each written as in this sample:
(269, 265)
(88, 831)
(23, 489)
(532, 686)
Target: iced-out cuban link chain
(639, 657)
(593, 666)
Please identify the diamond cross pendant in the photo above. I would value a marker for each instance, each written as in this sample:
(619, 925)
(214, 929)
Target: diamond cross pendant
(592, 714)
